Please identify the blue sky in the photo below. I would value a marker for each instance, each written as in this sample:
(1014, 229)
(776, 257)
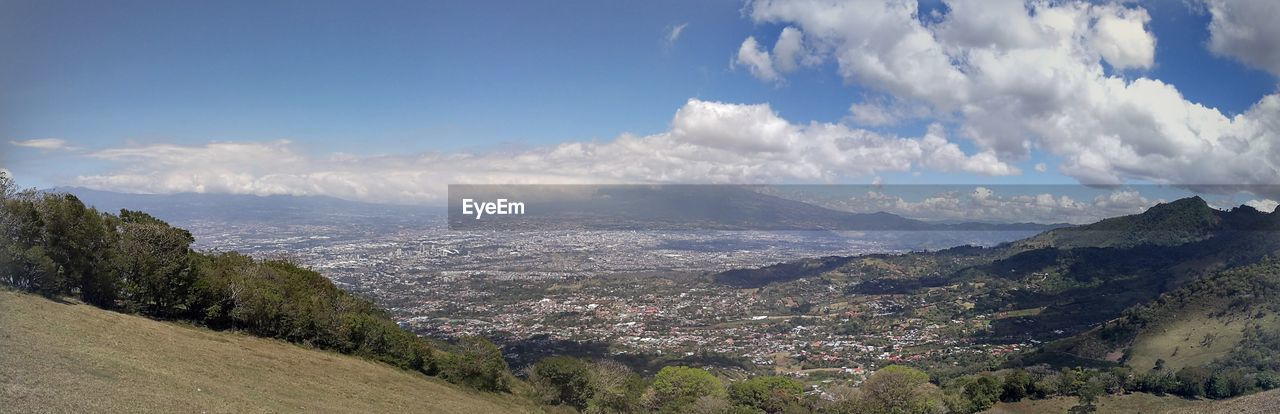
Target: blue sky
(400, 79)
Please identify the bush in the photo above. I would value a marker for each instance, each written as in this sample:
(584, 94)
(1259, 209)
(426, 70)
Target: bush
(1191, 382)
(616, 388)
(477, 364)
(1268, 380)
(982, 393)
(896, 389)
(769, 393)
(1015, 386)
(563, 380)
(677, 387)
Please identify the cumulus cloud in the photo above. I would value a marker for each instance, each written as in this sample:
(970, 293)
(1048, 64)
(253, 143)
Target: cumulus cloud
(707, 142)
(789, 51)
(1041, 167)
(789, 54)
(871, 114)
(42, 143)
(1122, 39)
(757, 60)
(1247, 31)
(1045, 76)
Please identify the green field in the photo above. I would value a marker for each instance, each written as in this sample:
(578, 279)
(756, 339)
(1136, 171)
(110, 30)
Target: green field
(71, 357)
(1193, 339)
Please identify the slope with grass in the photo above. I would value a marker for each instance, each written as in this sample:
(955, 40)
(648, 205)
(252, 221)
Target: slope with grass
(1263, 402)
(1196, 324)
(62, 356)
(1110, 404)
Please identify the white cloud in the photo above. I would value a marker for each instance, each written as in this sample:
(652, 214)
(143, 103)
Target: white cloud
(673, 33)
(871, 114)
(42, 143)
(1121, 37)
(986, 204)
(707, 142)
(1265, 206)
(1036, 77)
(789, 54)
(1246, 30)
(757, 60)
(990, 23)
(789, 51)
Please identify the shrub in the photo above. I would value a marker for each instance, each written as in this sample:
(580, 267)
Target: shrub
(477, 364)
(677, 387)
(769, 393)
(563, 380)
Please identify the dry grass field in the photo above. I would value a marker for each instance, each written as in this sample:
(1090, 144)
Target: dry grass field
(1260, 403)
(1139, 403)
(70, 357)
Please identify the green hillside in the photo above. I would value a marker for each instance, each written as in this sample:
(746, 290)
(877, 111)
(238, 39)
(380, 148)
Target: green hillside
(71, 357)
(1230, 319)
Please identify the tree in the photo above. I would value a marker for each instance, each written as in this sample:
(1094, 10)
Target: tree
(676, 387)
(982, 393)
(563, 380)
(1268, 380)
(1015, 385)
(154, 264)
(78, 241)
(1088, 393)
(1191, 381)
(8, 188)
(616, 388)
(478, 364)
(769, 393)
(896, 389)
(1045, 387)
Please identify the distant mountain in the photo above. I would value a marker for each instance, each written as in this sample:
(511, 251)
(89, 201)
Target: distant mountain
(1169, 224)
(661, 207)
(683, 207)
(183, 208)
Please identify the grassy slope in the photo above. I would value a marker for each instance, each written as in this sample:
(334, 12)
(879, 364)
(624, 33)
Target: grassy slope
(1131, 403)
(59, 357)
(1260, 403)
(1182, 342)
(1263, 402)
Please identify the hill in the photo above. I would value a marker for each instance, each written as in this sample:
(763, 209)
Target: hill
(1263, 402)
(1180, 285)
(71, 357)
(1228, 319)
(1179, 222)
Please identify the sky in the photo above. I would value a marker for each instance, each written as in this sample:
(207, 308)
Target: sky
(391, 101)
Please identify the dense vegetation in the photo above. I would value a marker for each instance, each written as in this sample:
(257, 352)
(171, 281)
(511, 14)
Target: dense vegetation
(52, 244)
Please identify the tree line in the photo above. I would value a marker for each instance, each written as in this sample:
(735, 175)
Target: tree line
(53, 245)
